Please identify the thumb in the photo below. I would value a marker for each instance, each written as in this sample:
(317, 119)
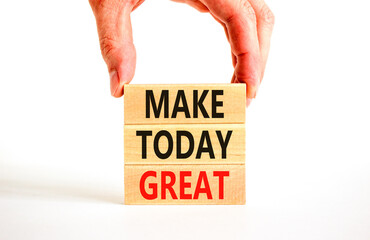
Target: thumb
(116, 44)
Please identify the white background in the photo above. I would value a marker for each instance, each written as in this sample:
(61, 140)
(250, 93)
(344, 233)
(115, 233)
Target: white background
(61, 133)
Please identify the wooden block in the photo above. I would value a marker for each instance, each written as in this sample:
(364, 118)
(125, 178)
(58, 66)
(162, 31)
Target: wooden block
(185, 184)
(179, 104)
(170, 144)
(162, 122)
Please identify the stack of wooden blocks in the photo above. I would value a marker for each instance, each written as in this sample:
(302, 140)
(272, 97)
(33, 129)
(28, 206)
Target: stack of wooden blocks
(184, 144)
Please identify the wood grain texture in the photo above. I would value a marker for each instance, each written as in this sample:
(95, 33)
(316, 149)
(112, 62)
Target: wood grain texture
(185, 181)
(234, 149)
(233, 103)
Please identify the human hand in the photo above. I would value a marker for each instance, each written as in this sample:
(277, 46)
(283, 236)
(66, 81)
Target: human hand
(248, 26)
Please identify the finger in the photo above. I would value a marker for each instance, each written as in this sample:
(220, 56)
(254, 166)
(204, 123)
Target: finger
(265, 25)
(233, 79)
(234, 59)
(240, 21)
(137, 4)
(116, 43)
(249, 101)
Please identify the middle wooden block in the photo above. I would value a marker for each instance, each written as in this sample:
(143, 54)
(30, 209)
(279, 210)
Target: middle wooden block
(185, 144)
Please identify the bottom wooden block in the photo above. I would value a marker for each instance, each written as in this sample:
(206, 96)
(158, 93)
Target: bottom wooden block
(185, 184)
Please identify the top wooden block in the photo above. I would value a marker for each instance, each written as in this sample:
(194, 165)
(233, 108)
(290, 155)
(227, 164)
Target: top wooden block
(184, 103)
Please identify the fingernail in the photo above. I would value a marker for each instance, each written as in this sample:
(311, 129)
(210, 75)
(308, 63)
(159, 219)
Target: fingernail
(114, 82)
(252, 91)
(256, 89)
(249, 101)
